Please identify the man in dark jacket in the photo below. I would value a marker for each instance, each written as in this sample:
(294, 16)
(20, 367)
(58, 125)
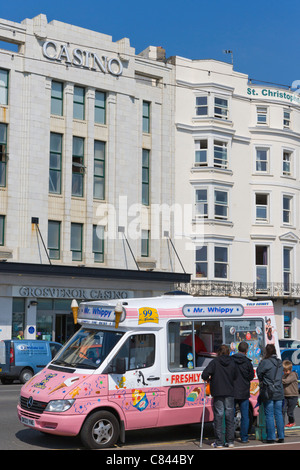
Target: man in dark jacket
(244, 375)
(221, 374)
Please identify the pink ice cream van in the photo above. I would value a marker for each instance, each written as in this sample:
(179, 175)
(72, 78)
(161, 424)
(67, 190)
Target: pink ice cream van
(138, 364)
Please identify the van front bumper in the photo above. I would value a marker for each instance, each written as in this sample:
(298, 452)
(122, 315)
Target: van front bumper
(61, 424)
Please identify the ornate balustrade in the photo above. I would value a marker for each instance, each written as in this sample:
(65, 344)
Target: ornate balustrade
(272, 290)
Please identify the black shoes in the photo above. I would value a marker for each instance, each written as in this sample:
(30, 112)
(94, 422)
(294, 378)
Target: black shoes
(280, 441)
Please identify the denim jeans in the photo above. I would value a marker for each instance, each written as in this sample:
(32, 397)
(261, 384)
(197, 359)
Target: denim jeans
(244, 409)
(273, 409)
(223, 405)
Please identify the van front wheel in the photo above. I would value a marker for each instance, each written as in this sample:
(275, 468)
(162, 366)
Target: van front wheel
(100, 430)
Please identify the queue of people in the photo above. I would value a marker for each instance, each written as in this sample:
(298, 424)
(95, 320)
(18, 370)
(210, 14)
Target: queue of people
(230, 378)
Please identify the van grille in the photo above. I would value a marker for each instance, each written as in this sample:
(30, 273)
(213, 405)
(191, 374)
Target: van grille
(30, 415)
(33, 406)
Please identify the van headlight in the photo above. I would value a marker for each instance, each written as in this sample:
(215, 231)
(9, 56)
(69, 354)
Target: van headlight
(58, 406)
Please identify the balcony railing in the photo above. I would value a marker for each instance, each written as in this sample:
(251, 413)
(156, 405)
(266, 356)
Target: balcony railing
(271, 290)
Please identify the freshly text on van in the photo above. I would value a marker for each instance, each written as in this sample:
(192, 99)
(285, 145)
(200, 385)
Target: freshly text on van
(185, 378)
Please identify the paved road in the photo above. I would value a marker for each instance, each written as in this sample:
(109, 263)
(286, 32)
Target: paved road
(179, 439)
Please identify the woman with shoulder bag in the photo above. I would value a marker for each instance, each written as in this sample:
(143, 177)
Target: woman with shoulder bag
(269, 373)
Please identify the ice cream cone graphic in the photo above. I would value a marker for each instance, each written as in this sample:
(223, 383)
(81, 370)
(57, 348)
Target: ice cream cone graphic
(63, 385)
(118, 313)
(74, 308)
(66, 383)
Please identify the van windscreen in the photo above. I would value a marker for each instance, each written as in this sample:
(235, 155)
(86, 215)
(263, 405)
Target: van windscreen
(88, 348)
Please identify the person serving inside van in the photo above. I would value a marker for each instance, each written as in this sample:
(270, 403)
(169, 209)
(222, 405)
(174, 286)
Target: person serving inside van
(199, 344)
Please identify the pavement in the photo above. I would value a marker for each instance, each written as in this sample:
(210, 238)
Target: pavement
(183, 439)
(291, 442)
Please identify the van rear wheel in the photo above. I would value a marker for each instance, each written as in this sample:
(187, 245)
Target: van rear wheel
(100, 430)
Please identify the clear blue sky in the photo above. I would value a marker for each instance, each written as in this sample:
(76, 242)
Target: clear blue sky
(263, 35)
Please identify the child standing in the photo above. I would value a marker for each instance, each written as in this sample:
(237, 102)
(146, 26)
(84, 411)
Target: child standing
(290, 386)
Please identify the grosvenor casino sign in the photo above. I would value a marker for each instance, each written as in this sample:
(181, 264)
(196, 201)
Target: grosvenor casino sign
(81, 58)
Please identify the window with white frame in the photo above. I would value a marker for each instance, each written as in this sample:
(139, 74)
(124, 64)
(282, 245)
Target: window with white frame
(286, 118)
(212, 203)
(220, 154)
(262, 267)
(262, 114)
(287, 274)
(201, 203)
(201, 106)
(287, 162)
(221, 108)
(211, 152)
(221, 204)
(261, 207)
(221, 262)
(201, 262)
(287, 202)
(262, 160)
(201, 148)
(211, 261)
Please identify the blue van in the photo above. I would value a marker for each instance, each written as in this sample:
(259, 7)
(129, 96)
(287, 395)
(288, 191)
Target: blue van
(22, 359)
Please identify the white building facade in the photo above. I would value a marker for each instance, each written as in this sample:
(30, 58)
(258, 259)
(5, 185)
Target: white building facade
(237, 150)
(85, 133)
